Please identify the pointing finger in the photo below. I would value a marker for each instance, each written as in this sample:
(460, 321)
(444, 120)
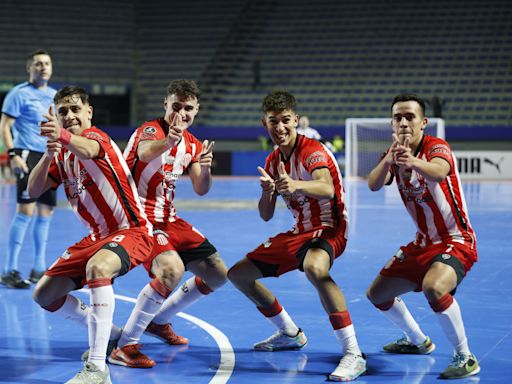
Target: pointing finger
(263, 172)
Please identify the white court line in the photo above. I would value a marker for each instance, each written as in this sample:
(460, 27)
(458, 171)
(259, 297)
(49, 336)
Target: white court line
(227, 355)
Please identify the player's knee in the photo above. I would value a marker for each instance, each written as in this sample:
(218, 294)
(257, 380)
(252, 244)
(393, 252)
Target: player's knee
(171, 274)
(433, 290)
(41, 297)
(236, 276)
(315, 273)
(98, 268)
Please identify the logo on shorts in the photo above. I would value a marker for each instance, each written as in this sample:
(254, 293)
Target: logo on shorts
(66, 255)
(445, 257)
(267, 243)
(113, 244)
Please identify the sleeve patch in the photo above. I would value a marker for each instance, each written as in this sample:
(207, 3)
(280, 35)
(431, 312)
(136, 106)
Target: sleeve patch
(94, 136)
(315, 158)
(439, 149)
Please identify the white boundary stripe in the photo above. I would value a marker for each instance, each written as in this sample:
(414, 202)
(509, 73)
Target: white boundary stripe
(227, 355)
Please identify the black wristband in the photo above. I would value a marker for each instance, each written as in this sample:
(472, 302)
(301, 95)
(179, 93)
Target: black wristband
(11, 153)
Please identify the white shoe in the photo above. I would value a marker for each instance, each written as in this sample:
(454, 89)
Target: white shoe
(350, 368)
(90, 374)
(280, 342)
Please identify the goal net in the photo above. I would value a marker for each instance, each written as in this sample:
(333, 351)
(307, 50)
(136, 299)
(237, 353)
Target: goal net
(367, 139)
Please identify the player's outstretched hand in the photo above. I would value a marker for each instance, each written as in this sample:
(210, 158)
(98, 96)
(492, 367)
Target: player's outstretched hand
(266, 182)
(206, 156)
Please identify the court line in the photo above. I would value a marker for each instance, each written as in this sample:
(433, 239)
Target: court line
(227, 355)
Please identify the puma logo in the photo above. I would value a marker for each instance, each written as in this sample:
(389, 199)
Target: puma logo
(495, 165)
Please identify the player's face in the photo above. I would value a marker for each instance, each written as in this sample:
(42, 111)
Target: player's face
(408, 121)
(73, 114)
(281, 127)
(186, 108)
(40, 70)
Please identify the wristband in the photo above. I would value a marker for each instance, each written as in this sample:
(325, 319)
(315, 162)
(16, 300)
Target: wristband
(65, 136)
(11, 153)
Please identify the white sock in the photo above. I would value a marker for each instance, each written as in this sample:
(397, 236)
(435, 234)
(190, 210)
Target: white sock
(453, 326)
(76, 310)
(399, 315)
(181, 298)
(347, 338)
(148, 303)
(284, 323)
(100, 322)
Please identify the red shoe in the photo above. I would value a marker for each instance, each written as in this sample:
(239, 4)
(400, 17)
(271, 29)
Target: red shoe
(165, 333)
(130, 356)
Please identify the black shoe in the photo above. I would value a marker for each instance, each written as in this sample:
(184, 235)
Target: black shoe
(13, 279)
(35, 276)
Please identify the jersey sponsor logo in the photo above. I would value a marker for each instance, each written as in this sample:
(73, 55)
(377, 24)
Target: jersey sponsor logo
(169, 159)
(185, 161)
(445, 257)
(315, 157)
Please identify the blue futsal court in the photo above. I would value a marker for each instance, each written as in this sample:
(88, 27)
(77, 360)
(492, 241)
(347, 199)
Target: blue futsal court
(37, 347)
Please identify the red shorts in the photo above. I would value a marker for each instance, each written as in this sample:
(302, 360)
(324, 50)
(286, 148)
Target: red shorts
(286, 251)
(412, 262)
(135, 242)
(182, 237)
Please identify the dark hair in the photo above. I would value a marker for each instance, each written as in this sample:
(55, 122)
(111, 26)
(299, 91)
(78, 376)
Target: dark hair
(184, 89)
(278, 101)
(71, 90)
(409, 97)
(30, 57)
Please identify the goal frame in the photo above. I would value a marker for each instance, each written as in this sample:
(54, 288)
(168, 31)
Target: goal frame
(351, 142)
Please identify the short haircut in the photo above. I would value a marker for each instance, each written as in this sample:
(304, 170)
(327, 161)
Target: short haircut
(278, 101)
(30, 57)
(183, 89)
(409, 97)
(71, 90)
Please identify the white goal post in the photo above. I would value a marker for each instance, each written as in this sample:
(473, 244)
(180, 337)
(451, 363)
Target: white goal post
(366, 139)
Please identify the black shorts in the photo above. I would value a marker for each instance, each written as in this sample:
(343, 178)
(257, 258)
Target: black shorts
(31, 158)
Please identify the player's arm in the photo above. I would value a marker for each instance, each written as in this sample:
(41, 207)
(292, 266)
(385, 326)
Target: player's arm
(381, 174)
(434, 170)
(200, 172)
(267, 202)
(39, 180)
(82, 147)
(321, 187)
(148, 150)
(17, 163)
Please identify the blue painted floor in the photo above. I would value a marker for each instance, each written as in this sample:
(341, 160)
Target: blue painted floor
(37, 347)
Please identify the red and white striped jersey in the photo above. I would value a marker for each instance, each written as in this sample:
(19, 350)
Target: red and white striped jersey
(156, 180)
(310, 213)
(101, 191)
(438, 209)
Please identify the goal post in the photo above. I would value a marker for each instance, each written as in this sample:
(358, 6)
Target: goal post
(366, 139)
